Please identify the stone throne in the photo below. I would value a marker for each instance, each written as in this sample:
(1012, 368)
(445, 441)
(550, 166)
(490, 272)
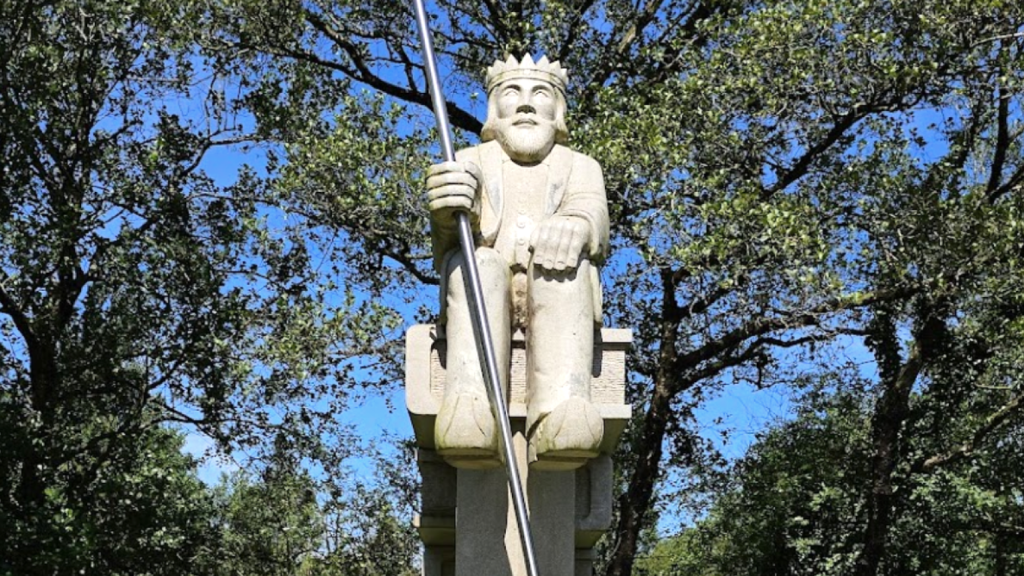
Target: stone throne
(466, 519)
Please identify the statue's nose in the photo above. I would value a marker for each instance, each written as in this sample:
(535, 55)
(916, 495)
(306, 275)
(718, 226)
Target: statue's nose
(526, 109)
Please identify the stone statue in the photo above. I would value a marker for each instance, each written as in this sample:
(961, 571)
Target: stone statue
(540, 217)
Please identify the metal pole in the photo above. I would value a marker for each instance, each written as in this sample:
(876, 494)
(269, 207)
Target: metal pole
(481, 327)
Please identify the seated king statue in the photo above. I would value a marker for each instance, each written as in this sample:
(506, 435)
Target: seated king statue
(540, 217)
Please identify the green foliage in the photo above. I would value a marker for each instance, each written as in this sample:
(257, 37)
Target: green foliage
(143, 511)
(796, 500)
(787, 179)
(270, 526)
(137, 290)
(284, 523)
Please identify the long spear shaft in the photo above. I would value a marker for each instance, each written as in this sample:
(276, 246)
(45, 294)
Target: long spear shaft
(481, 327)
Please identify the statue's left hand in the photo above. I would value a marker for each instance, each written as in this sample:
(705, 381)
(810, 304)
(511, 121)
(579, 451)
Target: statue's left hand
(558, 242)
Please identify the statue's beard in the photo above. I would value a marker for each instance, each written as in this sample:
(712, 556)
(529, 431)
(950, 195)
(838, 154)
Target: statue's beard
(525, 143)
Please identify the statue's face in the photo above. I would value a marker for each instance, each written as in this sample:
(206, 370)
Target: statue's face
(526, 110)
(521, 94)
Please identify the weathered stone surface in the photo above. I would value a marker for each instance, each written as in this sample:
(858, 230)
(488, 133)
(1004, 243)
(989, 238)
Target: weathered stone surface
(608, 372)
(542, 220)
(569, 511)
(425, 377)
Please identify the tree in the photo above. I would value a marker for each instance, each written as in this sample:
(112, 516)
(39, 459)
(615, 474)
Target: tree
(796, 503)
(780, 173)
(142, 512)
(137, 291)
(271, 524)
(284, 522)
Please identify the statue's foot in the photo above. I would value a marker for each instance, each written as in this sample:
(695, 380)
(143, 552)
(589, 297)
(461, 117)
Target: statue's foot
(465, 432)
(567, 437)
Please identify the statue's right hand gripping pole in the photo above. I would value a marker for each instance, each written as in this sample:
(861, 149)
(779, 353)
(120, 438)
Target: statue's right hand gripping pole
(481, 328)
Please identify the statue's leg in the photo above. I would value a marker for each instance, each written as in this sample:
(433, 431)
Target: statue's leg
(564, 427)
(465, 431)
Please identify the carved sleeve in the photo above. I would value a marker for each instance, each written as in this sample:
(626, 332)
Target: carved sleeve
(585, 198)
(444, 239)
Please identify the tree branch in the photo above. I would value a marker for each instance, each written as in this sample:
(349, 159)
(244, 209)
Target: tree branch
(797, 319)
(362, 73)
(968, 448)
(21, 321)
(803, 164)
(1002, 144)
(574, 30)
(1012, 184)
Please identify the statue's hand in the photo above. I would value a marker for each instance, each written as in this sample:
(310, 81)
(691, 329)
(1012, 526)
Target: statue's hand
(558, 242)
(453, 186)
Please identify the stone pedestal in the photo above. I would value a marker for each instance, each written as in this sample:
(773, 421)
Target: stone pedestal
(466, 521)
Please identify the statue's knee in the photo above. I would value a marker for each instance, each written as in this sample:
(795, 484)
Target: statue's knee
(491, 266)
(575, 282)
(452, 266)
(490, 262)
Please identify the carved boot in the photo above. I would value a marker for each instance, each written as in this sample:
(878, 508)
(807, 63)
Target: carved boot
(567, 437)
(465, 432)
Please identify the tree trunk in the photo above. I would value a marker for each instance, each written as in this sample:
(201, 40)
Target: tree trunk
(999, 549)
(635, 502)
(886, 424)
(42, 382)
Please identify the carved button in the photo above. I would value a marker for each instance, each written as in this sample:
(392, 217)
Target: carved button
(522, 221)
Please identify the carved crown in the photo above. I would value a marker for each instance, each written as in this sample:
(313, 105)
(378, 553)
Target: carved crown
(543, 69)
